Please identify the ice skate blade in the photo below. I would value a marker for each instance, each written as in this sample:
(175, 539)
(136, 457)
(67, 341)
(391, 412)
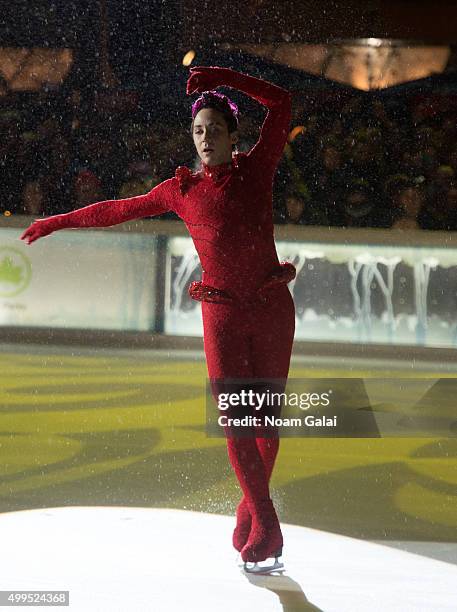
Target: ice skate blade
(255, 568)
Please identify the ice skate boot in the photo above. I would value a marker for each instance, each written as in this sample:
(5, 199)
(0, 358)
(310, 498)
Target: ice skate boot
(265, 539)
(243, 526)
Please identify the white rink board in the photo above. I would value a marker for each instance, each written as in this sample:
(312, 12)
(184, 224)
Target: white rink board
(78, 279)
(351, 293)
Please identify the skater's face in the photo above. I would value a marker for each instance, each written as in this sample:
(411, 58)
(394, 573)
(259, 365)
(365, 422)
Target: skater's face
(211, 137)
(295, 208)
(410, 201)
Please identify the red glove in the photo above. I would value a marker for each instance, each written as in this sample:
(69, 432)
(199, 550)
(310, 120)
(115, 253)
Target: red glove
(204, 78)
(38, 229)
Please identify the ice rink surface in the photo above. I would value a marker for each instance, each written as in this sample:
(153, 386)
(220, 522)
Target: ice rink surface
(126, 559)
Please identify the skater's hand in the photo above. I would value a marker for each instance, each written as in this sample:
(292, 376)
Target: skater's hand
(38, 229)
(204, 78)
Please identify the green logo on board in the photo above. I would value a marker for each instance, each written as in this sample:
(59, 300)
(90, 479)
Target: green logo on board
(15, 271)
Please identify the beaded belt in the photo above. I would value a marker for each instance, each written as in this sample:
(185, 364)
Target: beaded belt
(202, 292)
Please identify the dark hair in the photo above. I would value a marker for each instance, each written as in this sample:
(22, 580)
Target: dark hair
(397, 183)
(221, 103)
(361, 185)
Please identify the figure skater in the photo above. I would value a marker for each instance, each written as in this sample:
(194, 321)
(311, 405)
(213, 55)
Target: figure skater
(247, 309)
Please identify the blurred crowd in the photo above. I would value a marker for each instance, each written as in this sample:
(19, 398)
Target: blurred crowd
(365, 167)
(361, 166)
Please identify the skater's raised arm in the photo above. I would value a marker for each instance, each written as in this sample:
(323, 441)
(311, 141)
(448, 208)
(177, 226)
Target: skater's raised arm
(268, 150)
(106, 213)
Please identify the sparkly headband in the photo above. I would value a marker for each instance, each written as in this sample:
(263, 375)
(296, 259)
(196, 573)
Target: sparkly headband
(218, 101)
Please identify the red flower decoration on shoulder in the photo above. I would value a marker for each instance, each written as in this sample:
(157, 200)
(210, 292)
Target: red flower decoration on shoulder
(183, 174)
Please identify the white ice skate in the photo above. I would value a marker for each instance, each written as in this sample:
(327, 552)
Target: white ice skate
(263, 567)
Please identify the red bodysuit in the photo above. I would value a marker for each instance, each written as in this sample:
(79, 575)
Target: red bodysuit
(228, 211)
(247, 309)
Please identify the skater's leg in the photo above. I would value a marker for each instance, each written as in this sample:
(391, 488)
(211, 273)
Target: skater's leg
(268, 449)
(229, 353)
(248, 465)
(227, 344)
(271, 351)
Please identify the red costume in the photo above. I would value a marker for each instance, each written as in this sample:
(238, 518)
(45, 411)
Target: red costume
(247, 309)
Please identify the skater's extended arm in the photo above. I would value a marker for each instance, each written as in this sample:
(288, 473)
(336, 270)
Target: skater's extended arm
(106, 213)
(267, 151)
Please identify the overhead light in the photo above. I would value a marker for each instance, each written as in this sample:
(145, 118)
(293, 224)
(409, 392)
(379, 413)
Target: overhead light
(363, 63)
(188, 58)
(374, 42)
(35, 68)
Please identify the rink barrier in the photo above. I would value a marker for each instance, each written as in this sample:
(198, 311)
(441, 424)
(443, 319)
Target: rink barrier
(357, 291)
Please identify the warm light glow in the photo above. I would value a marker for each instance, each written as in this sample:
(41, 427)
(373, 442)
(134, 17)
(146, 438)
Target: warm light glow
(30, 69)
(365, 63)
(298, 129)
(374, 42)
(188, 58)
